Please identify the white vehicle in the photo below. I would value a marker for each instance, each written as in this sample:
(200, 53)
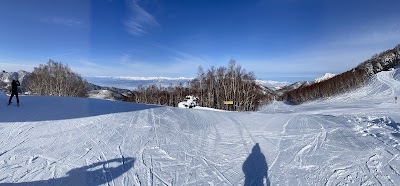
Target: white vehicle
(188, 102)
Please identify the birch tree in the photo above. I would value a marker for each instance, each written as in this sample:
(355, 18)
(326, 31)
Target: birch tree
(56, 79)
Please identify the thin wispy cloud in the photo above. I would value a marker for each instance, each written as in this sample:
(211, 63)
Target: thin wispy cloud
(61, 55)
(132, 67)
(312, 63)
(126, 66)
(140, 20)
(175, 64)
(332, 54)
(373, 35)
(88, 67)
(63, 21)
(177, 56)
(188, 59)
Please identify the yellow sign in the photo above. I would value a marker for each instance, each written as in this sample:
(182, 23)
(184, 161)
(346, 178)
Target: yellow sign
(228, 102)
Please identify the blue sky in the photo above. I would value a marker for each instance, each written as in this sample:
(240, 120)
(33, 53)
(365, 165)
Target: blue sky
(284, 40)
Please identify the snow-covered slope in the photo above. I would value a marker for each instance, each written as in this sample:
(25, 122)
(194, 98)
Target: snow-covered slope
(75, 141)
(324, 77)
(381, 88)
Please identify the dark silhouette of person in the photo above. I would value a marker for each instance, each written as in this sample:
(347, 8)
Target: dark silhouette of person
(255, 168)
(14, 91)
(101, 174)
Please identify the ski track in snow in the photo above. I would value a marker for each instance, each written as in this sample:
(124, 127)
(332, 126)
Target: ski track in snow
(351, 139)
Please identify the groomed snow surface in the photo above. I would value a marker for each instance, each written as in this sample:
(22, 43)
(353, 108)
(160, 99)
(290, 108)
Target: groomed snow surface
(352, 139)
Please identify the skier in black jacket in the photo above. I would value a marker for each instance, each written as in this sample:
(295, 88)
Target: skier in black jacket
(14, 91)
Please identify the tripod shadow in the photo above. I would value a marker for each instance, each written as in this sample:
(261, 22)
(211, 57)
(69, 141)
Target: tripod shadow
(85, 176)
(255, 168)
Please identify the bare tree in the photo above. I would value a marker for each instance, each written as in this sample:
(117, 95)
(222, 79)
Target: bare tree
(213, 87)
(56, 79)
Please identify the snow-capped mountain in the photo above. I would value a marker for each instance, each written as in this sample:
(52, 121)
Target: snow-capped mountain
(131, 83)
(7, 77)
(274, 85)
(127, 82)
(292, 86)
(285, 88)
(324, 77)
(134, 78)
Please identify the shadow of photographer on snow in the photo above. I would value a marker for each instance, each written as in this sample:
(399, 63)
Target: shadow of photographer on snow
(255, 168)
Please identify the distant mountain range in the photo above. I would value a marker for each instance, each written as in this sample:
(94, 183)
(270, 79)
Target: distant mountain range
(278, 88)
(130, 83)
(134, 78)
(7, 77)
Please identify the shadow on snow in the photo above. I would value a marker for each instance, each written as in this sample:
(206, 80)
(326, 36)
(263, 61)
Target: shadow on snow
(255, 168)
(94, 174)
(44, 108)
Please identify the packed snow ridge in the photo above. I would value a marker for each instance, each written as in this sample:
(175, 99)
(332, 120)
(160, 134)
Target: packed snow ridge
(351, 139)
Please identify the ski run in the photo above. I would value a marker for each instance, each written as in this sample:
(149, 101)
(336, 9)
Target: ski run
(350, 139)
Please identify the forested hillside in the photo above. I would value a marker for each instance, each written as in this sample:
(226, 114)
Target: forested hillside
(345, 81)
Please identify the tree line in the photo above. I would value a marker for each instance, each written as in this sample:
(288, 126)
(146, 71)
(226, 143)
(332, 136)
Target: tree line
(212, 87)
(346, 81)
(55, 79)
